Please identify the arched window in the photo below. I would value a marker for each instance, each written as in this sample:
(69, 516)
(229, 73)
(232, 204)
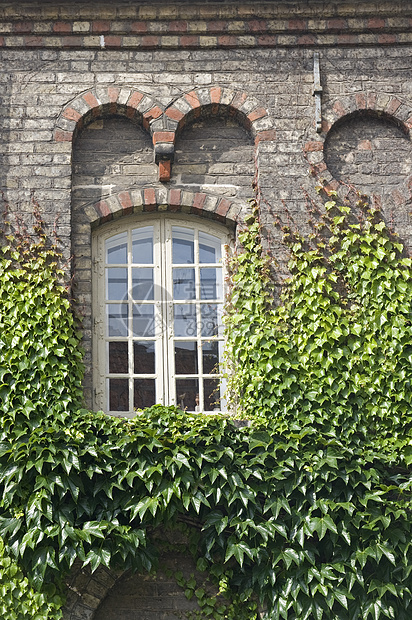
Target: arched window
(158, 293)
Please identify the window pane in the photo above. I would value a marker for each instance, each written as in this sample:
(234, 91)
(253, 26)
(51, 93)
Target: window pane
(186, 358)
(212, 394)
(116, 283)
(118, 358)
(143, 320)
(144, 393)
(210, 353)
(116, 249)
(117, 315)
(211, 320)
(185, 324)
(187, 394)
(118, 394)
(210, 248)
(184, 283)
(183, 245)
(210, 283)
(144, 357)
(142, 282)
(142, 245)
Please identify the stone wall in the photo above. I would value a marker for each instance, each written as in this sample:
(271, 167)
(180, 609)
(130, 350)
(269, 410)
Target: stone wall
(110, 109)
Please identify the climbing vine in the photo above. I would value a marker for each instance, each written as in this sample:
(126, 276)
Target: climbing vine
(305, 513)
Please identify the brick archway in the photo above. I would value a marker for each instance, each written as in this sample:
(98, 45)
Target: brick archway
(85, 591)
(102, 101)
(164, 123)
(362, 104)
(207, 101)
(150, 200)
(215, 100)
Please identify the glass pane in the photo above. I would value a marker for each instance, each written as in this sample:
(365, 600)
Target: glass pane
(185, 324)
(117, 315)
(119, 394)
(212, 394)
(186, 358)
(183, 245)
(142, 283)
(210, 248)
(116, 283)
(184, 283)
(142, 245)
(210, 283)
(144, 393)
(144, 357)
(116, 249)
(211, 315)
(210, 353)
(143, 320)
(118, 358)
(187, 394)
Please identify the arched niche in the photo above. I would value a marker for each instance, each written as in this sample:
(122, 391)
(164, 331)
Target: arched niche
(369, 150)
(214, 152)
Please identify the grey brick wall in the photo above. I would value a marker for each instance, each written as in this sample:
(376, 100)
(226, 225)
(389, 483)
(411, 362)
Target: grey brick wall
(84, 85)
(152, 598)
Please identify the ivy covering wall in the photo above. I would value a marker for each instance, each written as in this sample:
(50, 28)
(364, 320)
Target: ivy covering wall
(305, 513)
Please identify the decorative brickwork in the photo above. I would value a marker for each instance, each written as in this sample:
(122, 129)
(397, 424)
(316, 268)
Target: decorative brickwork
(102, 101)
(360, 107)
(164, 124)
(148, 200)
(223, 25)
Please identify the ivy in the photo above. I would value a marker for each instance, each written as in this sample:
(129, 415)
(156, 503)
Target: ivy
(305, 513)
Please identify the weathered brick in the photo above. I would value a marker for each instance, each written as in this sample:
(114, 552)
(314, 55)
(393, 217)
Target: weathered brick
(101, 26)
(163, 136)
(313, 146)
(174, 113)
(164, 170)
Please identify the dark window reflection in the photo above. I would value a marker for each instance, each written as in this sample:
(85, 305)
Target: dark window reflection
(186, 358)
(210, 320)
(187, 394)
(118, 359)
(119, 395)
(144, 357)
(144, 393)
(210, 351)
(212, 394)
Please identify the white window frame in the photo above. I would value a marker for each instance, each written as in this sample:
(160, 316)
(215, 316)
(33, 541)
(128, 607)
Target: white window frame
(164, 308)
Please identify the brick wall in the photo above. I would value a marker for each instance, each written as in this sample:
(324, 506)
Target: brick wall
(110, 109)
(151, 598)
(65, 98)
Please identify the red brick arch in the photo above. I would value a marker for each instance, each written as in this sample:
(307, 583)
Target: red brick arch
(163, 124)
(378, 105)
(217, 100)
(103, 101)
(151, 200)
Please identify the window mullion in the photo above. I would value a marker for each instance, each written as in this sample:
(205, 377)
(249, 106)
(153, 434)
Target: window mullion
(167, 290)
